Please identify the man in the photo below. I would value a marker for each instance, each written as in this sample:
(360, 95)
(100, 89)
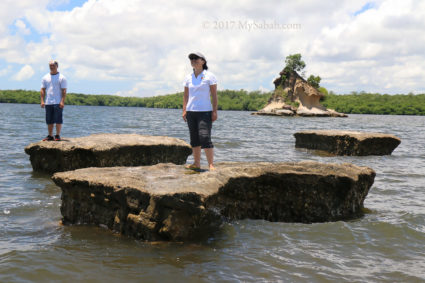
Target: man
(53, 93)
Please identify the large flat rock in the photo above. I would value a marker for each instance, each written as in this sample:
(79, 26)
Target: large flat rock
(106, 150)
(347, 142)
(169, 202)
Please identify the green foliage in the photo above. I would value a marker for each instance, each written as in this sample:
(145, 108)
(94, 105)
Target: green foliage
(280, 92)
(323, 90)
(314, 81)
(375, 103)
(354, 103)
(294, 63)
(227, 99)
(19, 96)
(242, 100)
(296, 104)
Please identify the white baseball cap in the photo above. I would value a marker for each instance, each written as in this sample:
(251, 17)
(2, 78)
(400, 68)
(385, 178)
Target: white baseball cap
(197, 54)
(53, 62)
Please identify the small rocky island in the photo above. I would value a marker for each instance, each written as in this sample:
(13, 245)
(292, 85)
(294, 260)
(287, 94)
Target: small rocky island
(347, 142)
(294, 96)
(169, 202)
(106, 150)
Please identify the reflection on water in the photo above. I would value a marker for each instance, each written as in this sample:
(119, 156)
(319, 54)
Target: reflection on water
(385, 245)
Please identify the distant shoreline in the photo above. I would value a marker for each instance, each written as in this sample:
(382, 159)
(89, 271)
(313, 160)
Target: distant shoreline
(355, 103)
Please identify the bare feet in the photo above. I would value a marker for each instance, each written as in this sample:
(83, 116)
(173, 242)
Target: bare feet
(212, 168)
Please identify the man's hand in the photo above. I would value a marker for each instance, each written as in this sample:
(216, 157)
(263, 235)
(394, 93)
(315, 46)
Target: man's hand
(42, 104)
(61, 104)
(184, 116)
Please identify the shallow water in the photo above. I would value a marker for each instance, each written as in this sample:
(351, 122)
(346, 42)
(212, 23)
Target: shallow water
(385, 245)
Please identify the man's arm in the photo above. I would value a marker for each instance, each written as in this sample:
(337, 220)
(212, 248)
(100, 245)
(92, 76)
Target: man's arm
(62, 103)
(42, 95)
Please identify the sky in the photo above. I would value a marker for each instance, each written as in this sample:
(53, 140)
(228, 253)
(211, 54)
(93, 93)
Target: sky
(140, 48)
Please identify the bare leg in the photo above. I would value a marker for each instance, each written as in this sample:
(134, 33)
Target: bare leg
(197, 156)
(209, 152)
(50, 129)
(58, 129)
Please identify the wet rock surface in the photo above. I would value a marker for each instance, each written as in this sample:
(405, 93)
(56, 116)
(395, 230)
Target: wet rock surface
(169, 202)
(106, 150)
(347, 142)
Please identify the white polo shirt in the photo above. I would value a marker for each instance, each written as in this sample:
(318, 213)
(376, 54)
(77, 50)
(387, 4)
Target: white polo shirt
(199, 91)
(53, 85)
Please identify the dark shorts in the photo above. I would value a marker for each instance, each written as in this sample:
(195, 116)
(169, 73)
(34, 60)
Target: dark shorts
(200, 124)
(53, 114)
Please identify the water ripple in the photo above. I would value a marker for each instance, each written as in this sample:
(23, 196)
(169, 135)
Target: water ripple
(385, 245)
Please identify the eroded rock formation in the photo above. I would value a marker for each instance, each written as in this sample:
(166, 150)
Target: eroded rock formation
(106, 150)
(169, 202)
(347, 142)
(291, 89)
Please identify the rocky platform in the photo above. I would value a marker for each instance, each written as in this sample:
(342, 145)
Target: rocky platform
(300, 112)
(106, 150)
(347, 142)
(169, 202)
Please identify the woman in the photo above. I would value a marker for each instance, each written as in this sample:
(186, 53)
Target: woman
(198, 111)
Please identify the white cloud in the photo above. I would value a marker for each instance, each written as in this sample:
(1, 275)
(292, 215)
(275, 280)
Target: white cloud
(25, 73)
(11, 10)
(144, 44)
(263, 89)
(22, 27)
(374, 50)
(5, 71)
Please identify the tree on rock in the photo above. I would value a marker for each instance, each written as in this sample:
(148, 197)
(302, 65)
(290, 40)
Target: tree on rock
(314, 81)
(294, 63)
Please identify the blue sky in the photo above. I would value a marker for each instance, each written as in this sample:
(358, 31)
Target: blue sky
(66, 5)
(139, 48)
(367, 6)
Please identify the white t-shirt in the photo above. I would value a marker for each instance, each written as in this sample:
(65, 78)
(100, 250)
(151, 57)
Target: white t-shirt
(199, 91)
(53, 85)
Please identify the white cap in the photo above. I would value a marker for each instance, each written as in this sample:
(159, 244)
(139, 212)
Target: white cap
(197, 54)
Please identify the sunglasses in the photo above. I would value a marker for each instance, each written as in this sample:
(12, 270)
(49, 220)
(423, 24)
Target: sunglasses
(194, 58)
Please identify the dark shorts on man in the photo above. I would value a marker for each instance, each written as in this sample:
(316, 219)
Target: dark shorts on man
(200, 124)
(53, 114)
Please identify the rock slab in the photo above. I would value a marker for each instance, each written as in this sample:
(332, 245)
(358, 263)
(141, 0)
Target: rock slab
(106, 150)
(347, 142)
(169, 202)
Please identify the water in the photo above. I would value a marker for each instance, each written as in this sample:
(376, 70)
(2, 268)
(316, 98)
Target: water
(385, 245)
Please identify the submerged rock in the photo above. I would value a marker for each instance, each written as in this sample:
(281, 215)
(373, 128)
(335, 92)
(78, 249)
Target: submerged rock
(347, 142)
(169, 202)
(106, 150)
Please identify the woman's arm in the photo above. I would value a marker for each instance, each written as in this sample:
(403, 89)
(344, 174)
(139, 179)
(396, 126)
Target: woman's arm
(213, 89)
(185, 99)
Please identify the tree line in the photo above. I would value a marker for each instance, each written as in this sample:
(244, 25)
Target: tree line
(228, 99)
(375, 103)
(354, 103)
